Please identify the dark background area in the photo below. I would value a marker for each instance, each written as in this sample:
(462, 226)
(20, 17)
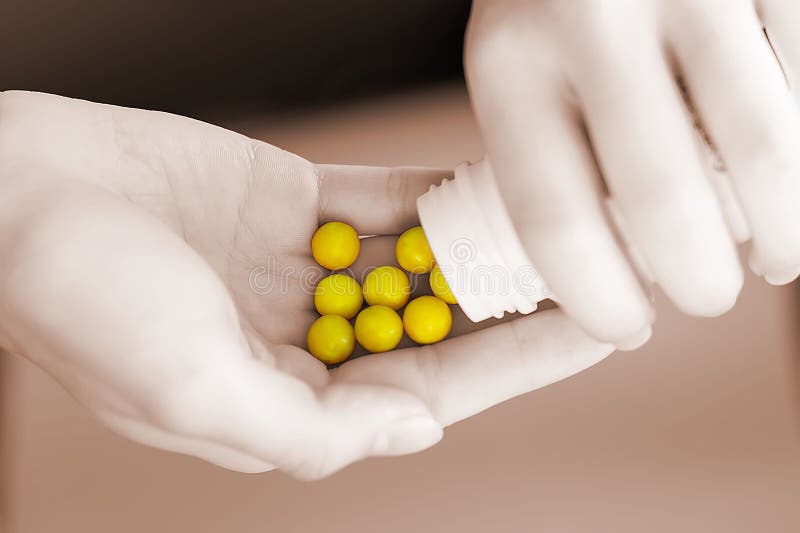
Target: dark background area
(190, 56)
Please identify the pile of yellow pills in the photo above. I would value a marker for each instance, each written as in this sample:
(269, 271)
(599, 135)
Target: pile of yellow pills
(331, 339)
(335, 245)
(413, 251)
(338, 294)
(379, 327)
(427, 319)
(387, 285)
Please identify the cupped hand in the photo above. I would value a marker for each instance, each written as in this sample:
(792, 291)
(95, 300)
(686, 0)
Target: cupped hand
(159, 268)
(579, 100)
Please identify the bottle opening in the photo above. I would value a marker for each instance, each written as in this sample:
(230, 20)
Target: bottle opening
(476, 246)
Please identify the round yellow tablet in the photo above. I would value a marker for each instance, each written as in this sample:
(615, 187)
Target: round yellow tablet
(330, 339)
(427, 319)
(338, 294)
(413, 251)
(379, 328)
(335, 245)
(387, 285)
(439, 286)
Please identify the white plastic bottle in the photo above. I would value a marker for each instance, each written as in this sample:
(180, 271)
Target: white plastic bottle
(476, 246)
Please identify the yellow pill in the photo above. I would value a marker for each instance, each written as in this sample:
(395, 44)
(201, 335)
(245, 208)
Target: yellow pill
(335, 245)
(427, 319)
(330, 339)
(338, 294)
(387, 285)
(413, 251)
(439, 286)
(379, 328)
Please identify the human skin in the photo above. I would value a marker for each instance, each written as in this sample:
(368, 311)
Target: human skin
(577, 98)
(129, 241)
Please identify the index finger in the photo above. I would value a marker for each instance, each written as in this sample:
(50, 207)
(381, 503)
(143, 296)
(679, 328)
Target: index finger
(465, 375)
(374, 200)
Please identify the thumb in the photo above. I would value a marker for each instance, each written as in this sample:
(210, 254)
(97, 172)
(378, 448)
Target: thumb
(465, 375)
(309, 433)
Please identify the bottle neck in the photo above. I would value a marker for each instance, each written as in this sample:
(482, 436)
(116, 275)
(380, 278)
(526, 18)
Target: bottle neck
(476, 246)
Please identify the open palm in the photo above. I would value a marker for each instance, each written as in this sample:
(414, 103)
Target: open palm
(159, 268)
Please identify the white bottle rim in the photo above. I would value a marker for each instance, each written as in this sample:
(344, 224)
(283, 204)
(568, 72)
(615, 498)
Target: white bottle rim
(476, 246)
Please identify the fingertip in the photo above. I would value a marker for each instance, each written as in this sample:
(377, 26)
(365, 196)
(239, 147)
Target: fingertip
(635, 341)
(627, 327)
(712, 293)
(604, 297)
(774, 272)
(782, 277)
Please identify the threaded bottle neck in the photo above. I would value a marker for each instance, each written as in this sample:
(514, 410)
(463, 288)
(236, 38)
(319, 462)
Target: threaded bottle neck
(476, 246)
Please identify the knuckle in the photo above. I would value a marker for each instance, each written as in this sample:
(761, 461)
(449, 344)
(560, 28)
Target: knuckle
(487, 48)
(591, 22)
(499, 39)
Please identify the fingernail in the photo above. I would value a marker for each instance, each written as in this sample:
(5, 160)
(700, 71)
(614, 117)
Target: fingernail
(408, 435)
(782, 278)
(635, 341)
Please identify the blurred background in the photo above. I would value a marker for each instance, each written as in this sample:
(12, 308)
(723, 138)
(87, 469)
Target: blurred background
(697, 431)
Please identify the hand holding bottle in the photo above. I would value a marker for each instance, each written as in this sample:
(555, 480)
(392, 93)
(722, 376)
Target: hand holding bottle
(580, 99)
